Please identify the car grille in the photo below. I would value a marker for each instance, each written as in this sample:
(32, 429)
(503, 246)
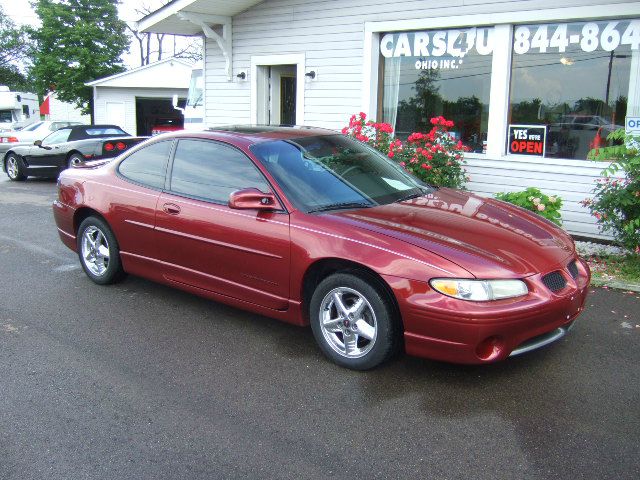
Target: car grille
(573, 269)
(554, 281)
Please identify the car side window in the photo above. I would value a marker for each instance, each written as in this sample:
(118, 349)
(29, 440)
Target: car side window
(59, 136)
(147, 165)
(212, 170)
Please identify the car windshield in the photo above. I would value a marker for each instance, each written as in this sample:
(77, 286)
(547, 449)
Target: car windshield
(5, 116)
(32, 127)
(331, 172)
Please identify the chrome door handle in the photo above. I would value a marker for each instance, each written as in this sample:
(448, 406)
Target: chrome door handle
(171, 208)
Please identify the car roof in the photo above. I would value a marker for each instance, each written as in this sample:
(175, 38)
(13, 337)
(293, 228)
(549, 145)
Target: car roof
(85, 125)
(250, 134)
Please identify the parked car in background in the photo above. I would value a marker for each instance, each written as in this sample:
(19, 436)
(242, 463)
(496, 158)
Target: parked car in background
(164, 125)
(30, 133)
(312, 227)
(65, 147)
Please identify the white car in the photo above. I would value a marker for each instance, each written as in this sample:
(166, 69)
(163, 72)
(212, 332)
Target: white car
(30, 133)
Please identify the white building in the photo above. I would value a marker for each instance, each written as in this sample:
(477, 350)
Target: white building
(569, 67)
(140, 98)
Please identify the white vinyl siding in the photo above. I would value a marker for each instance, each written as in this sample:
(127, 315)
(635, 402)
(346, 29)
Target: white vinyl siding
(331, 36)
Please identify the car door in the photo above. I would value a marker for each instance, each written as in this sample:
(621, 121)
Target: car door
(133, 201)
(50, 151)
(242, 254)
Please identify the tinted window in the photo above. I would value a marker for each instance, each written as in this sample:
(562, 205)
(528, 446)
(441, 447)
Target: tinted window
(147, 165)
(57, 137)
(212, 171)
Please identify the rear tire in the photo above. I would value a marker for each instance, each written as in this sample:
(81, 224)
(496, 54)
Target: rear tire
(353, 321)
(99, 252)
(74, 159)
(13, 167)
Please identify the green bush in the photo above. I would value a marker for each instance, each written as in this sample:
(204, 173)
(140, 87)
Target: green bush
(616, 201)
(533, 199)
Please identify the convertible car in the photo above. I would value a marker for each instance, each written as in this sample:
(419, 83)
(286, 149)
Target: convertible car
(65, 147)
(311, 227)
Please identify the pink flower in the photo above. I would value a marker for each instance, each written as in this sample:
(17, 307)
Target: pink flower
(402, 164)
(541, 207)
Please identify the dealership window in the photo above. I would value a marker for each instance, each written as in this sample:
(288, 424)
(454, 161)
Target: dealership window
(572, 79)
(437, 72)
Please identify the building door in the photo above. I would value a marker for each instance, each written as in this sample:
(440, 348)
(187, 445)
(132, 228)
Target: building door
(288, 100)
(115, 114)
(277, 89)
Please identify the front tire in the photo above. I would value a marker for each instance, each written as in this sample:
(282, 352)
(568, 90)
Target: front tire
(99, 252)
(14, 168)
(354, 321)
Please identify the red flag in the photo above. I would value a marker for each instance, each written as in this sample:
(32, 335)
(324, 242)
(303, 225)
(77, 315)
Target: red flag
(44, 107)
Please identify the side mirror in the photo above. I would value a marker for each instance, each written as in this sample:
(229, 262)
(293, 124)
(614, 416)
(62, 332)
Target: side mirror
(253, 199)
(38, 143)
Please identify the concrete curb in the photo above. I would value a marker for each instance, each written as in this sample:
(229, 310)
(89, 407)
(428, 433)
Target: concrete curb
(631, 287)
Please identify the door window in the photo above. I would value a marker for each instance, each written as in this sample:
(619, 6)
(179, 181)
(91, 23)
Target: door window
(59, 136)
(211, 171)
(147, 166)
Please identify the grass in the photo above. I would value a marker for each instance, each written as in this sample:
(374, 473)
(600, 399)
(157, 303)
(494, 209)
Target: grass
(615, 268)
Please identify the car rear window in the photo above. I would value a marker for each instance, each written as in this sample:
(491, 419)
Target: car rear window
(105, 131)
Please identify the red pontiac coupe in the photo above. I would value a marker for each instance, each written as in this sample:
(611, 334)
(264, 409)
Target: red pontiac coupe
(312, 227)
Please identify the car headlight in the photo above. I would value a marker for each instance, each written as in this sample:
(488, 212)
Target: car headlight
(479, 290)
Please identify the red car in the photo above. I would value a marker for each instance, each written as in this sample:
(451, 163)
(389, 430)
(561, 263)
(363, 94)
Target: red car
(312, 227)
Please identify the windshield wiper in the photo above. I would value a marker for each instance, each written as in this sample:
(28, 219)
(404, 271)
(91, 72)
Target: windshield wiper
(413, 195)
(340, 206)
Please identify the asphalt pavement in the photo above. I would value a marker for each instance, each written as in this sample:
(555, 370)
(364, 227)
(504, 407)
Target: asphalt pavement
(141, 381)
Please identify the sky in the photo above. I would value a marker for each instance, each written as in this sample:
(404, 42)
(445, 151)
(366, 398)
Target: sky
(21, 13)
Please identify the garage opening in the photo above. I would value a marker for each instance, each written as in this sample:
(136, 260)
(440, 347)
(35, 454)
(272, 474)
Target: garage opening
(157, 115)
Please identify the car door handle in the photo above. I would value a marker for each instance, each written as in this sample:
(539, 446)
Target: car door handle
(171, 208)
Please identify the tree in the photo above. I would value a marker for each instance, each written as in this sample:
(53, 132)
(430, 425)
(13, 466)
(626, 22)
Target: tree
(79, 41)
(150, 44)
(14, 50)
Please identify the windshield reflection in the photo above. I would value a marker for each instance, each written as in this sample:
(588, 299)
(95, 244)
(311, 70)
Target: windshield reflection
(335, 172)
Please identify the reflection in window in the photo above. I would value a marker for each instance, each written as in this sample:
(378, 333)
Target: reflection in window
(433, 73)
(147, 165)
(211, 171)
(573, 78)
(57, 137)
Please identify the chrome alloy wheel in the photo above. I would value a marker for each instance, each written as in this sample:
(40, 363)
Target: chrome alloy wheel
(12, 167)
(95, 250)
(348, 322)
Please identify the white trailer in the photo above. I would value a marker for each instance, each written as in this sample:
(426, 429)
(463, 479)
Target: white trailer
(17, 109)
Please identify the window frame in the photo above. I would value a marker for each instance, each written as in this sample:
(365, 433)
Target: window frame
(499, 92)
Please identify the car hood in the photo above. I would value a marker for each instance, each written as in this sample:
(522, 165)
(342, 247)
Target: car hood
(486, 237)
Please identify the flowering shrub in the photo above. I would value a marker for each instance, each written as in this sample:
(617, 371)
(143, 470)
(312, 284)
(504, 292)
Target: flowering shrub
(536, 201)
(616, 201)
(376, 135)
(434, 157)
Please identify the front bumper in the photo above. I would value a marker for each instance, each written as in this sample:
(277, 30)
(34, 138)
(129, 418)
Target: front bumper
(458, 331)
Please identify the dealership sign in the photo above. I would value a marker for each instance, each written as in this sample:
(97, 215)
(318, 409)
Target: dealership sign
(527, 139)
(445, 49)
